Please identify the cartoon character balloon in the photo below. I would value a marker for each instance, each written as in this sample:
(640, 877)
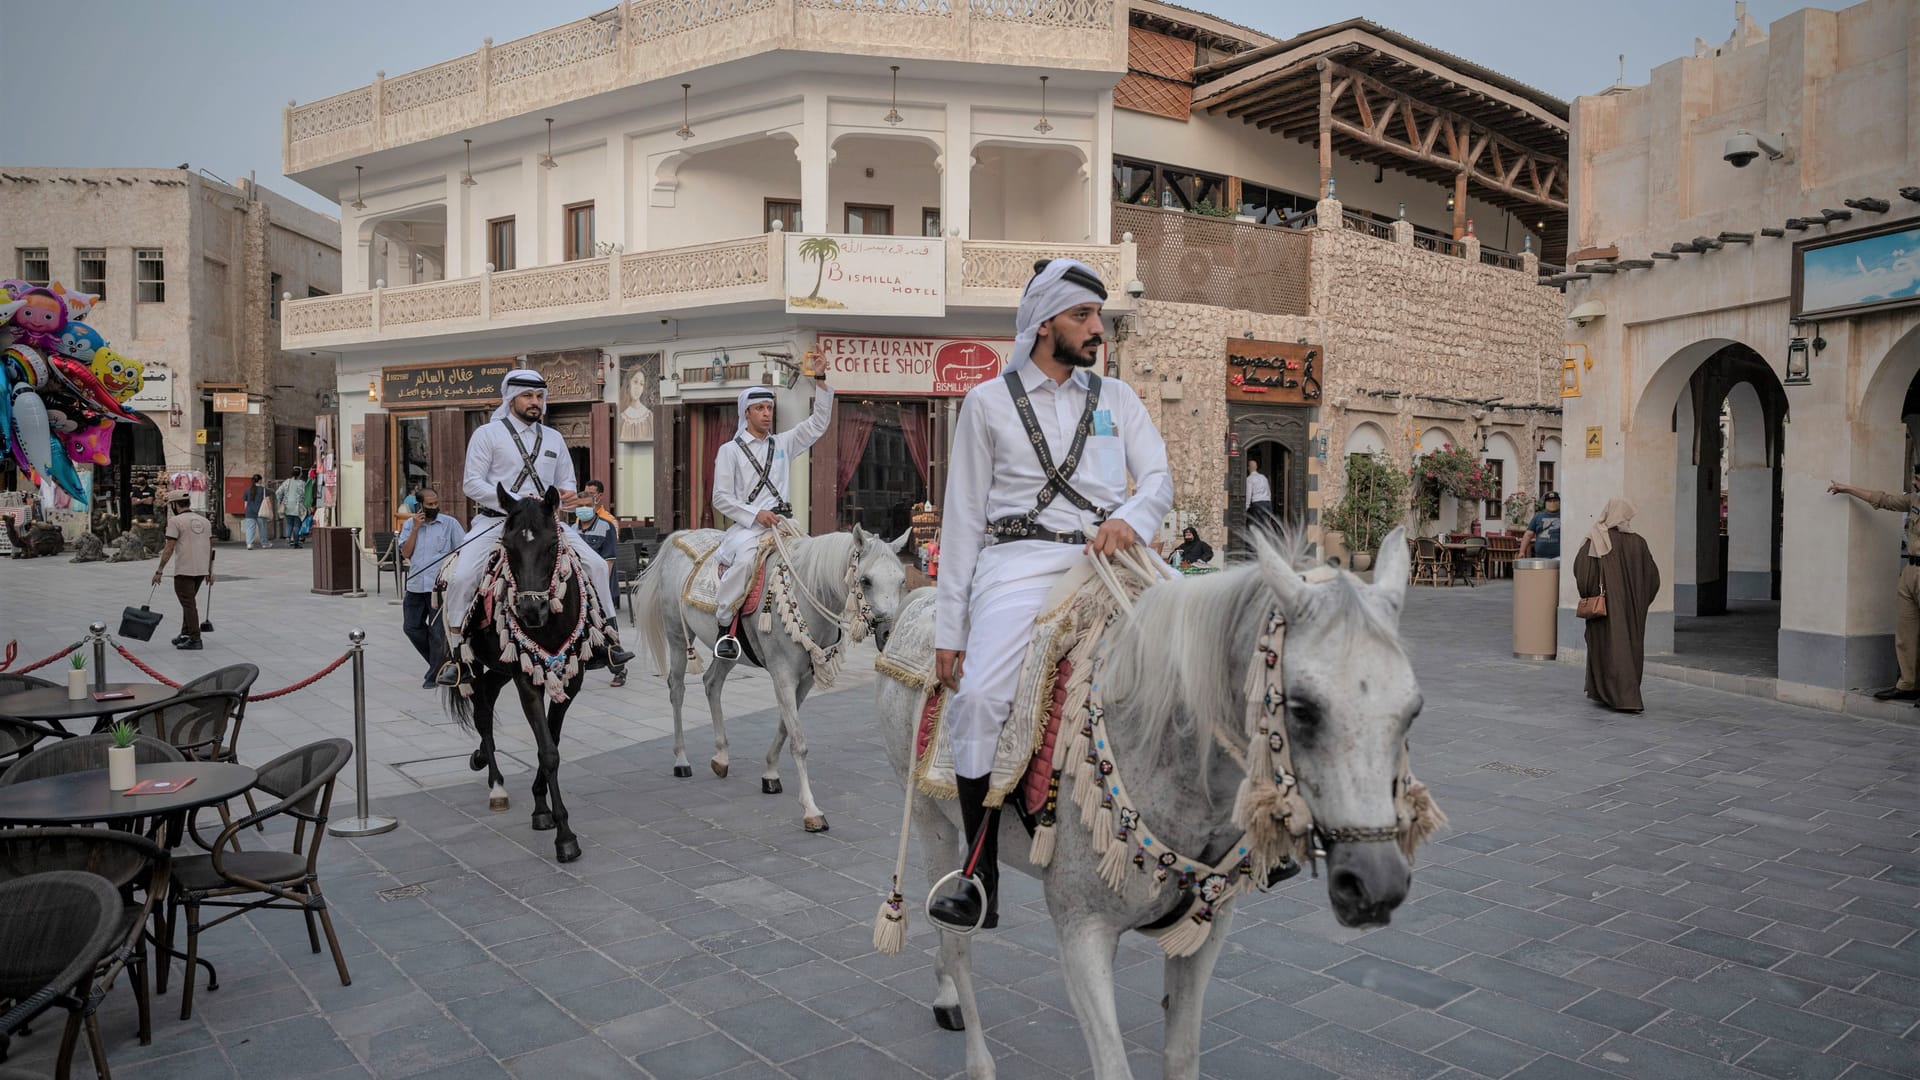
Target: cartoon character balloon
(41, 318)
(33, 434)
(91, 444)
(121, 376)
(80, 341)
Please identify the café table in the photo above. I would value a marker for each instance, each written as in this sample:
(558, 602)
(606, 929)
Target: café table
(1458, 558)
(51, 705)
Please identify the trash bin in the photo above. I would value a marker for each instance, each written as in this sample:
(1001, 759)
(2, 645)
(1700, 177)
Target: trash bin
(333, 557)
(1536, 601)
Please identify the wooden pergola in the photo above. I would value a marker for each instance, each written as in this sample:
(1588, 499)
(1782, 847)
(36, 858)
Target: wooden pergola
(1373, 95)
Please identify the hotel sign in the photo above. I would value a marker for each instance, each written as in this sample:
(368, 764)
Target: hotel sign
(866, 275)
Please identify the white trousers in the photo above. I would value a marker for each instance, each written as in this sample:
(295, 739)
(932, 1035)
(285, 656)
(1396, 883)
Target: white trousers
(462, 571)
(1010, 584)
(735, 555)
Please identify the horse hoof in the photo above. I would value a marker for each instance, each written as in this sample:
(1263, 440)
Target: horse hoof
(542, 822)
(770, 786)
(815, 824)
(566, 850)
(719, 769)
(683, 771)
(498, 804)
(948, 1017)
(476, 761)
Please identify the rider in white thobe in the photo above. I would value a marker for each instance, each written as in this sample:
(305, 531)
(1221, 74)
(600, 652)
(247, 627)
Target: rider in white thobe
(495, 459)
(752, 476)
(1003, 548)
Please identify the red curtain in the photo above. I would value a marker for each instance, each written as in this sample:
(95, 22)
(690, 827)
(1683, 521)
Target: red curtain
(856, 426)
(718, 430)
(913, 424)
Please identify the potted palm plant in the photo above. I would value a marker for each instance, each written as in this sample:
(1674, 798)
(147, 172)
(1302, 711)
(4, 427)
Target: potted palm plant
(120, 758)
(1373, 503)
(77, 676)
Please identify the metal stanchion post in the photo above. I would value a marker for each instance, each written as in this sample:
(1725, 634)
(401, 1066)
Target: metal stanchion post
(362, 823)
(357, 590)
(99, 633)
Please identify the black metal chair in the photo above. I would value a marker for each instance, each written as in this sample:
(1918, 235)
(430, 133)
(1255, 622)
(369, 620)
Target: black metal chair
(13, 684)
(54, 930)
(135, 865)
(83, 753)
(242, 881)
(240, 679)
(628, 563)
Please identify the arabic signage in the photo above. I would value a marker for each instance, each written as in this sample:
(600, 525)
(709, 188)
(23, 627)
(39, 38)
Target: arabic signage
(570, 376)
(912, 366)
(1274, 372)
(866, 275)
(156, 392)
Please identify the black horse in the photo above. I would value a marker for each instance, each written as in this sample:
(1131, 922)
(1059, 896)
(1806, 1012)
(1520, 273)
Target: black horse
(531, 544)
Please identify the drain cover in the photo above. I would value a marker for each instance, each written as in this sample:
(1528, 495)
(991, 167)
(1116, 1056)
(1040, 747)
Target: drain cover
(1518, 770)
(401, 892)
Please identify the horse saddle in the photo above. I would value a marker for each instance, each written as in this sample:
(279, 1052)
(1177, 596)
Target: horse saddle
(702, 590)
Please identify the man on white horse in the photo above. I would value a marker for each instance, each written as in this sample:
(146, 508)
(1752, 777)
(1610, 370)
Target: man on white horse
(1038, 478)
(515, 451)
(752, 482)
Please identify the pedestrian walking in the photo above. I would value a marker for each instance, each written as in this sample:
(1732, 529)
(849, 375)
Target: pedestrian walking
(425, 540)
(1906, 592)
(1615, 567)
(1259, 498)
(189, 547)
(252, 527)
(290, 500)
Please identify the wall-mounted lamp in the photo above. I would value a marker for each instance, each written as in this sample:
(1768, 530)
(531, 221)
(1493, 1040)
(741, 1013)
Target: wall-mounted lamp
(1320, 446)
(1233, 444)
(1449, 202)
(547, 162)
(1403, 211)
(717, 371)
(1799, 363)
(1122, 327)
(358, 203)
(373, 388)
(1043, 127)
(1330, 193)
(1571, 366)
(893, 112)
(686, 117)
(468, 180)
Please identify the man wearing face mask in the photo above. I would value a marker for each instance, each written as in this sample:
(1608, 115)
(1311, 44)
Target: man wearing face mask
(426, 539)
(598, 531)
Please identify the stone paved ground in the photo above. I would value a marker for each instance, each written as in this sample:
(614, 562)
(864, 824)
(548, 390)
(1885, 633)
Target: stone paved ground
(1722, 887)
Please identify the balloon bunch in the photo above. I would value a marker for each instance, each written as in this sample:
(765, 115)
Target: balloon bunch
(62, 388)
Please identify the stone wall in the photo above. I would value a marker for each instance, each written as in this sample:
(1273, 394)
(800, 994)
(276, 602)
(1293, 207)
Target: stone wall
(1413, 339)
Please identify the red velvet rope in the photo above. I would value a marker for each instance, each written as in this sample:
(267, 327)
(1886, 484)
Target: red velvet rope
(268, 696)
(13, 649)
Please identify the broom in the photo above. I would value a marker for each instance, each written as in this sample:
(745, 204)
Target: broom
(206, 624)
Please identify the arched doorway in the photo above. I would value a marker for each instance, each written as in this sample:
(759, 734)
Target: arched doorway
(1274, 437)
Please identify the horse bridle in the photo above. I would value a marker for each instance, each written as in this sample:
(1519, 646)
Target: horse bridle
(545, 596)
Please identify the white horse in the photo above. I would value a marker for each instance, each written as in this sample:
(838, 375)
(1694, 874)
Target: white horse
(843, 584)
(1172, 683)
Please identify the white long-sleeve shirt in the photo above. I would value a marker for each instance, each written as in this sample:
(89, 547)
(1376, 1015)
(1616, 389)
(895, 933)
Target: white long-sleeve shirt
(492, 460)
(1258, 489)
(734, 477)
(994, 473)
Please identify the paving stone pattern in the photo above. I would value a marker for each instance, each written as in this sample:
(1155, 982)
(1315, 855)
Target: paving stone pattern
(1721, 887)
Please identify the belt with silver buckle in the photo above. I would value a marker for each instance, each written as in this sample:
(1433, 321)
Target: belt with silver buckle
(1019, 528)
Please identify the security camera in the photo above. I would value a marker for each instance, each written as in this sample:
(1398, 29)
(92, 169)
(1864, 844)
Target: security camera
(1136, 288)
(1745, 146)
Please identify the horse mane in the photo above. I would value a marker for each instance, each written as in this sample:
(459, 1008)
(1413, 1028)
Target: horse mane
(823, 558)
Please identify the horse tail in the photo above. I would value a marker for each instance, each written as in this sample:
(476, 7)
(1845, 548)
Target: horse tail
(460, 707)
(646, 610)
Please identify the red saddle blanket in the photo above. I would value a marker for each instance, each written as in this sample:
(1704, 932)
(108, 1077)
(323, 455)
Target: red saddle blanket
(1033, 784)
(755, 592)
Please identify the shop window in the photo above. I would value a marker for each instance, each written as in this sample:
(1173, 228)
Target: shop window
(929, 221)
(1546, 478)
(150, 275)
(884, 463)
(784, 213)
(35, 267)
(91, 264)
(864, 220)
(500, 243)
(579, 231)
(412, 465)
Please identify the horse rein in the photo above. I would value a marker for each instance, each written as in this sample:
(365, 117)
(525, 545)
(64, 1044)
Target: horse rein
(862, 621)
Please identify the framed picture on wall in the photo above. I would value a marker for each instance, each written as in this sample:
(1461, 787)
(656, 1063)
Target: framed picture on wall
(1863, 270)
(639, 393)
(359, 442)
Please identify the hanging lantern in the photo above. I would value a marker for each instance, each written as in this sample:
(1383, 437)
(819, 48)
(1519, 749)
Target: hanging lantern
(1799, 363)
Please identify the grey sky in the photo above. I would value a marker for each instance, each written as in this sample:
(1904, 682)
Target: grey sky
(204, 81)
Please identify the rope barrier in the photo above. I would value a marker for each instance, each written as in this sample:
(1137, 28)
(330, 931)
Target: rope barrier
(268, 696)
(13, 650)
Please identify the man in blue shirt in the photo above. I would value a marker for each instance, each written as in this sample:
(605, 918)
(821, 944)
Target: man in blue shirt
(1542, 540)
(425, 540)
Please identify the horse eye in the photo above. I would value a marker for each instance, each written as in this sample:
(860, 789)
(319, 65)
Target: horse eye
(866, 583)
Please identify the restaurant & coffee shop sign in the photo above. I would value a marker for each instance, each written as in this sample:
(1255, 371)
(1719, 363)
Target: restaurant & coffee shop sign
(912, 366)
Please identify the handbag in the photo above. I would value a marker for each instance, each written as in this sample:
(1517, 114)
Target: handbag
(139, 623)
(1592, 607)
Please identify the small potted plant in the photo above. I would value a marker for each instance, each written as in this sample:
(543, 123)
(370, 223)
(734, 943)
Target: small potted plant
(77, 676)
(120, 757)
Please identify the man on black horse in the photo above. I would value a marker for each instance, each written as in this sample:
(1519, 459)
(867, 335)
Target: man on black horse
(516, 452)
(752, 479)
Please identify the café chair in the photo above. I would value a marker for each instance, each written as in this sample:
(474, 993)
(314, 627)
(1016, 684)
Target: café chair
(83, 753)
(238, 678)
(55, 928)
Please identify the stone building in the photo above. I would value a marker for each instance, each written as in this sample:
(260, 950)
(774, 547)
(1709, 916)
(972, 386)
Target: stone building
(1747, 331)
(632, 198)
(192, 272)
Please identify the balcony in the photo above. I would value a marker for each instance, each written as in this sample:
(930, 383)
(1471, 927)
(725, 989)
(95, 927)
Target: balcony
(640, 41)
(710, 279)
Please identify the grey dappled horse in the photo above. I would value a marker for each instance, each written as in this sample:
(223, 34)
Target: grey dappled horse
(821, 565)
(1174, 674)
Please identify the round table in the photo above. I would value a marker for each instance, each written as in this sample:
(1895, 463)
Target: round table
(51, 703)
(82, 798)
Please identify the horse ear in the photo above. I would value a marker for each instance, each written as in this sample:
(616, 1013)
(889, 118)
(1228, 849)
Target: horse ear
(900, 546)
(506, 497)
(1279, 573)
(1390, 570)
(551, 500)
(859, 537)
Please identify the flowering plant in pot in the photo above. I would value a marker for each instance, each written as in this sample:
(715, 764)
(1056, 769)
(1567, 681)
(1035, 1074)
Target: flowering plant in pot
(1448, 471)
(1370, 507)
(77, 676)
(120, 757)
(1520, 508)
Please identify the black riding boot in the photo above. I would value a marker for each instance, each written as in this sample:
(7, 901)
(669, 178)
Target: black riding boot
(961, 907)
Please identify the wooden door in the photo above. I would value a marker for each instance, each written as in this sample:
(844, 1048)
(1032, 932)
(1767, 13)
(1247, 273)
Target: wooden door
(378, 509)
(447, 442)
(600, 447)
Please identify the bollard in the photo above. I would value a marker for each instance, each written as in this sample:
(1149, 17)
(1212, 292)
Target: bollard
(362, 823)
(99, 632)
(357, 590)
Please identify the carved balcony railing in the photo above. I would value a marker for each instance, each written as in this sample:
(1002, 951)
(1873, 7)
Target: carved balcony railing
(328, 314)
(642, 41)
(431, 302)
(730, 264)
